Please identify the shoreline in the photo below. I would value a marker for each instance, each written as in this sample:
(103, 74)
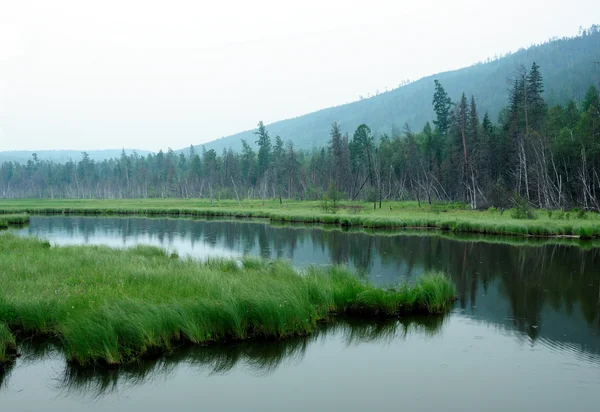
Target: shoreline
(470, 222)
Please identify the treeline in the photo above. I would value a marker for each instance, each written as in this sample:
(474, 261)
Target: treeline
(548, 157)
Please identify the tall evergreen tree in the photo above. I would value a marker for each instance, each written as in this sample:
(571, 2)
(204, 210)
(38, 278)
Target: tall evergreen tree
(264, 149)
(441, 105)
(336, 150)
(536, 106)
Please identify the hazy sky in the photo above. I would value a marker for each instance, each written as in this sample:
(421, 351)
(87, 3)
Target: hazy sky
(149, 75)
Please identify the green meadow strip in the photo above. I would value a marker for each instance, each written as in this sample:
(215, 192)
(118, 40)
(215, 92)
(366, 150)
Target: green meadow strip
(394, 215)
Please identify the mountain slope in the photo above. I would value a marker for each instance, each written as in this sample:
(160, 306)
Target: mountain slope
(566, 64)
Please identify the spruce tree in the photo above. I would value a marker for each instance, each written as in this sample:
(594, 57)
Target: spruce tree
(441, 104)
(264, 149)
(535, 102)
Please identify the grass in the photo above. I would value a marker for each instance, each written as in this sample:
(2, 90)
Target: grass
(393, 215)
(7, 345)
(114, 306)
(13, 220)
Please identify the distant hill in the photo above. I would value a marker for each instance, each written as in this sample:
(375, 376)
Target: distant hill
(63, 156)
(567, 66)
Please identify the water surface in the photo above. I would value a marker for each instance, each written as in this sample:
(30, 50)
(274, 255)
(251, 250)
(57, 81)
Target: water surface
(524, 335)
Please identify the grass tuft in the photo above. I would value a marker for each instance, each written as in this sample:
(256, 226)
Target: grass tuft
(13, 220)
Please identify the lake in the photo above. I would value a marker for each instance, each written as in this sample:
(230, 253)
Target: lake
(524, 334)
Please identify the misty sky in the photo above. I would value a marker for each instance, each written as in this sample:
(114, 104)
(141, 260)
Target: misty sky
(150, 75)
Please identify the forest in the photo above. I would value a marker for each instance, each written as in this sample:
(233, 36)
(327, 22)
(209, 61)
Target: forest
(546, 157)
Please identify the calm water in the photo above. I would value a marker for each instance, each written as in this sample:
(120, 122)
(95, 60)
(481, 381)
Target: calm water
(525, 333)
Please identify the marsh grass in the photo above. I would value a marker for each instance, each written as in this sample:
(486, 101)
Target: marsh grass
(13, 220)
(114, 306)
(394, 215)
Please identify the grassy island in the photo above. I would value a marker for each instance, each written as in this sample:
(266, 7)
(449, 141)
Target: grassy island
(118, 305)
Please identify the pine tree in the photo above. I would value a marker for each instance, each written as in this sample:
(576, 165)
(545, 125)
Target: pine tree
(462, 119)
(429, 143)
(591, 100)
(441, 105)
(278, 164)
(264, 151)
(336, 150)
(248, 165)
(487, 124)
(536, 106)
(473, 123)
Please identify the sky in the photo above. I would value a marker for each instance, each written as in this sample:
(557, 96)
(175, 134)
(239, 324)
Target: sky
(151, 75)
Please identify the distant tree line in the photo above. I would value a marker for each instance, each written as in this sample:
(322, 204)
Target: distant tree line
(548, 157)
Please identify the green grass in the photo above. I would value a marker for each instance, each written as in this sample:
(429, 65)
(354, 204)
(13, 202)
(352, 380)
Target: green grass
(13, 220)
(114, 306)
(393, 215)
(7, 344)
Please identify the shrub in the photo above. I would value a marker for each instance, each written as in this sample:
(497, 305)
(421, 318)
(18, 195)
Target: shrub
(522, 208)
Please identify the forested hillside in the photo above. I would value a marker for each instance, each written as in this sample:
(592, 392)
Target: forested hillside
(568, 71)
(537, 154)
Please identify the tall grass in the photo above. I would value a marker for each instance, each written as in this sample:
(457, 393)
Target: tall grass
(13, 220)
(114, 306)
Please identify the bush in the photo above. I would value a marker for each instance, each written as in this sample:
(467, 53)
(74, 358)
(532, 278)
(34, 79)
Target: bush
(522, 208)
(330, 201)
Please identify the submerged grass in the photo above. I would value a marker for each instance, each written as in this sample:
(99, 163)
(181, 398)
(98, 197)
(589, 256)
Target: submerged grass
(393, 215)
(114, 306)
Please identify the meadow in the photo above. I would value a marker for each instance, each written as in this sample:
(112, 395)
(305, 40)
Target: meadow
(393, 215)
(115, 306)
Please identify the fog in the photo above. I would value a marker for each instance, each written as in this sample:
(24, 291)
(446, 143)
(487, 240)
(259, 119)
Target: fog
(152, 75)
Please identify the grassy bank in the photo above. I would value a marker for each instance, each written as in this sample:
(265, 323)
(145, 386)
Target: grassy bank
(13, 220)
(113, 306)
(393, 215)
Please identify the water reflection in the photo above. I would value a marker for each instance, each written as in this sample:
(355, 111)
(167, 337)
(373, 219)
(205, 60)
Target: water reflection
(257, 357)
(545, 290)
(5, 371)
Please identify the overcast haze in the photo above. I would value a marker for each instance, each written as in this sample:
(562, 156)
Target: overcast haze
(152, 75)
